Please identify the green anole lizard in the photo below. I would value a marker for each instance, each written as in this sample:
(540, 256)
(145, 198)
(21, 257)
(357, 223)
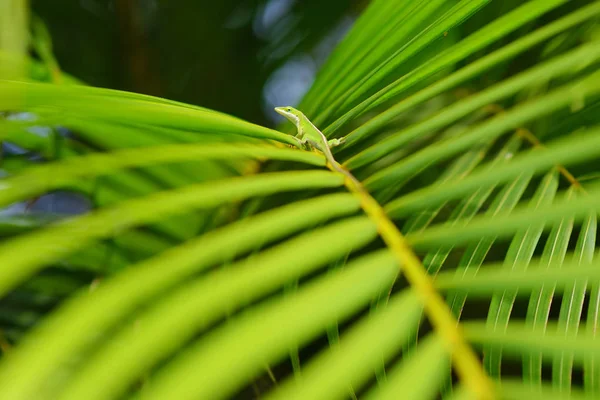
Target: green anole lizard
(310, 137)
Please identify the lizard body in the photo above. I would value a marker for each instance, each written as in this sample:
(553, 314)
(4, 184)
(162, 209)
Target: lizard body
(309, 137)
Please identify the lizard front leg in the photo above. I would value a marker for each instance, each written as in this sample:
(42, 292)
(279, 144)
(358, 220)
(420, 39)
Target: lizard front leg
(302, 142)
(336, 142)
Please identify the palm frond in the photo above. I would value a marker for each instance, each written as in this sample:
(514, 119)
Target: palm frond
(212, 257)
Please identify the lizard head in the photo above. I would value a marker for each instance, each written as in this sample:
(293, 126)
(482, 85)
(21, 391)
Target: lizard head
(290, 113)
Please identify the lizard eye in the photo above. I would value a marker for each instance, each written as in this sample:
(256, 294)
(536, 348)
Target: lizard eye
(289, 109)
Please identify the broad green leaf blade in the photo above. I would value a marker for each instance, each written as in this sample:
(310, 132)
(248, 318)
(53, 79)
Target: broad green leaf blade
(220, 362)
(44, 90)
(461, 393)
(289, 288)
(65, 333)
(121, 185)
(44, 178)
(123, 135)
(26, 254)
(160, 331)
(352, 361)
(92, 102)
(418, 377)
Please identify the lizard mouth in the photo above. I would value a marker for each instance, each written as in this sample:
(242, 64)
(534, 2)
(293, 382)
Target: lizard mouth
(281, 111)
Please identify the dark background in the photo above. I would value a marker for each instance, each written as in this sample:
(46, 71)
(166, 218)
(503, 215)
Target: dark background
(242, 57)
